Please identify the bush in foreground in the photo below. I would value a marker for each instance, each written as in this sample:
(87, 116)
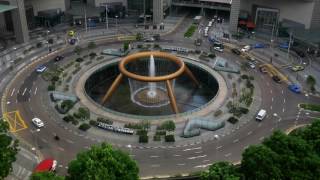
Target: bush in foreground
(84, 127)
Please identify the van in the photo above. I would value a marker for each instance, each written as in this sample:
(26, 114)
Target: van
(261, 114)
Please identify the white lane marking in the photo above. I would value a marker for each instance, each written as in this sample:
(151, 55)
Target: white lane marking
(198, 152)
(245, 147)
(227, 155)
(271, 91)
(202, 166)
(272, 99)
(60, 148)
(182, 164)
(155, 165)
(192, 149)
(69, 141)
(271, 129)
(283, 110)
(44, 140)
(261, 138)
(196, 157)
(14, 89)
(271, 107)
(219, 147)
(282, 92)
(176, 155)
(236, 140)
(154, 156)
(24, 91)
(18, 91)
(35, 91)
(284, 101)
(250, 132)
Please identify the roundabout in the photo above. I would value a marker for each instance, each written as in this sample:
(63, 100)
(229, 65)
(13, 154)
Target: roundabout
(28, 94)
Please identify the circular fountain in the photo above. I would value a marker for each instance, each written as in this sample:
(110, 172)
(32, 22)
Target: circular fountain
(152, 84)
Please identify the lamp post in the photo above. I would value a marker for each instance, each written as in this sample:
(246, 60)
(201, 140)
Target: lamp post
(130, 148)
(116, 24)
(107, 20)
(216, 137)
(47, 32)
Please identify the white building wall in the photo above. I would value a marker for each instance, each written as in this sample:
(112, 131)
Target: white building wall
(295, 10)
(40, 5)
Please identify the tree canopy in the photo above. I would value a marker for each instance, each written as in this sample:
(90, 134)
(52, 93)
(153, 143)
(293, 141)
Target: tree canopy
(221, 171)
(103, 162)
(8, 150)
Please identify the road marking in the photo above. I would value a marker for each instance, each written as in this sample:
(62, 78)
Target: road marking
(271, 107)
(176, 155)
(198, 152)
(24, 91)
(182, 164)
(35, 91)
(250, 132)
(14, 89)
(155, 165)
(227, 155)
(272, 99)
(307, 113)
(44, 140)
(282, 92)
(284, 101)
(196, 157)
(202, 166)
(69, 141)
(271, 129)
(219, 147)
(236, 140)
(154, 156)
(60, 148)
(192, 149)
(60, 166)
(87, 147)
(283, 110)
(271, 91)
(261, 138)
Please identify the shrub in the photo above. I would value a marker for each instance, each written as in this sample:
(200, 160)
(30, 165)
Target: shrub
(68, 118)
(169, 138)
(84, 113)
(75, 122)
(211, 55)
(217, 113)
(161, 133)
(78, 50)
(84, 127)
(243, 110)
(125, 46)
(55, 78)
(190, 31)
(143, 139)
(233, 120)
(92, 55)
(103, 120)
(167, 125)
(50, 41)
(67, 105)
(229, 105)
(93, 123)
(156, 138)
(311, 107)
(251, 78)
(249, 84)
(141, 132)
(142, 125)
(79, 60)
(69, 79)
(139, 36)
(244, 76)
(39, 45)
(156, 46)
(51, 87)
(248, 101)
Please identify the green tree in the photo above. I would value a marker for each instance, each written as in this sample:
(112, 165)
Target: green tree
(221, 171)
(125, 46)
(311, 81)
(8, 150)
(78, 50)
(260, 162)
(139, 36)
(103, 162)
(167, 125)
(45, 176)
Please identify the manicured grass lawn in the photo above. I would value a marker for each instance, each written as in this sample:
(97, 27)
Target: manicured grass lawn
(190, 31)
(311, 107)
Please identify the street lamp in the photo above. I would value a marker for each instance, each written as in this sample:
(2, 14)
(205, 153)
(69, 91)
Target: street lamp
(116, 23)
(216, 137)
(107, 20)
(130, 148)
(37, 131)
(48, 39)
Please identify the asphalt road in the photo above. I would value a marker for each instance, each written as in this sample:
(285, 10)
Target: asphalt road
(28, 91)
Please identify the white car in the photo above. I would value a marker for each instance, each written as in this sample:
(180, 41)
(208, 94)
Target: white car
(252, 66)
(218, 49)
(41, 68)
(210, 24)
(37, 122)
(246, 48)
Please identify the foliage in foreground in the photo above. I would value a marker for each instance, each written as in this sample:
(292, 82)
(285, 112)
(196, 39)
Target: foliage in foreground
(281, 156)
(8, 150)
(103, 162)
(46, 176)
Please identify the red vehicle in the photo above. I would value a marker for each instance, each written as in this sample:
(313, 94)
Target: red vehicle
(46, 165)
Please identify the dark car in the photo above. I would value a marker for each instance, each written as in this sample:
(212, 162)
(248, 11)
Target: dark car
(295, 88)
(58, 58)
(236, 51)
(276, 79)
(72, 41)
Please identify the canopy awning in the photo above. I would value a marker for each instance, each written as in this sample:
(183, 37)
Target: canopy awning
(4, 8)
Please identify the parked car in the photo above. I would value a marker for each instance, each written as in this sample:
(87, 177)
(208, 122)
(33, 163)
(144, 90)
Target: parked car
(58, 58)
(217, 48)
(295, 88)
(259, 45)
(46, 165)
(151, 39)
(297, 68)
(246, 48)
(37, 122)
(236, 51)
(41, 68)
(284, 45)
